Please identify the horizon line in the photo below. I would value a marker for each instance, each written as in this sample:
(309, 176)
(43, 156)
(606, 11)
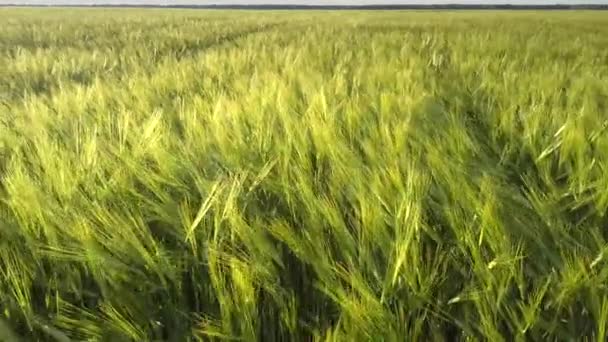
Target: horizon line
(270, 5)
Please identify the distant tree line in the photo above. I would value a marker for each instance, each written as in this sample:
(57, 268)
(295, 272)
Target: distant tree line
(362, 7)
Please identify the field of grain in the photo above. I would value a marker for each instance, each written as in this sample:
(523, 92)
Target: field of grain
(174, 175)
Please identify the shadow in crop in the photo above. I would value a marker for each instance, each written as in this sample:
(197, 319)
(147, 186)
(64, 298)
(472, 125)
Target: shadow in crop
(460, 105)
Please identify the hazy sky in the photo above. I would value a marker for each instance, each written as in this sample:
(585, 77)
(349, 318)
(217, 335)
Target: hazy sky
(311, 2)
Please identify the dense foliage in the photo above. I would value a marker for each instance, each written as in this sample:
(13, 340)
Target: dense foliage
(297, 176)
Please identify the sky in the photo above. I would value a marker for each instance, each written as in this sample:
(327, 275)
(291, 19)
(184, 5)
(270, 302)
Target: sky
(308, 2)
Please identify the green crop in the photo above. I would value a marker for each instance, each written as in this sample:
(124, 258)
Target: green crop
(303, 176)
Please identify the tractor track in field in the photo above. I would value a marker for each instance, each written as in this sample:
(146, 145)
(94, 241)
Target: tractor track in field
(188, 51)
(11, 107)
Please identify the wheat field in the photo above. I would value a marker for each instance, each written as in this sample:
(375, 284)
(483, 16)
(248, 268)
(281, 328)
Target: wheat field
(182, 175)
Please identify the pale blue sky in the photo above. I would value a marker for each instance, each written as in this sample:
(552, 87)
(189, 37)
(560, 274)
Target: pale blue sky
(309, 2)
